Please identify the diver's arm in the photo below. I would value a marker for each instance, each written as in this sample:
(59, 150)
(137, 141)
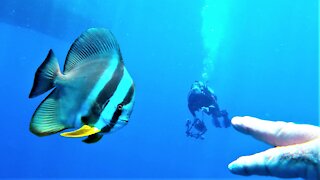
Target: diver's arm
(297, 154)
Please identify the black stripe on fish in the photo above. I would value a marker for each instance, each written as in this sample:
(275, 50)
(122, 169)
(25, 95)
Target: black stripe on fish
(118, 112)
(114, 119)
(104, 96)
(129, 95)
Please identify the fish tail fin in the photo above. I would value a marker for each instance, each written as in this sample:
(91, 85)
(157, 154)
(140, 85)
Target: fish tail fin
(45, 75)
(45, 120)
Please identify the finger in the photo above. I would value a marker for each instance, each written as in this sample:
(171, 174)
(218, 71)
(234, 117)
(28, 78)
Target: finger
(276, 133)
(286, 162)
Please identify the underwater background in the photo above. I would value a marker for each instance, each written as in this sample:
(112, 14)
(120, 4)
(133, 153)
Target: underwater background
(260, 57)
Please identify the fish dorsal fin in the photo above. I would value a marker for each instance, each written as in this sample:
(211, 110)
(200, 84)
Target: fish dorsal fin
(95, 43)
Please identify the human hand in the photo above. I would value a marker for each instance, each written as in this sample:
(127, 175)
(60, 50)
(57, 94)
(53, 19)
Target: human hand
(297, 153)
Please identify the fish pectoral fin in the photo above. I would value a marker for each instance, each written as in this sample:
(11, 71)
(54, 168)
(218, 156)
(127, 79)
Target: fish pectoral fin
(85, 130)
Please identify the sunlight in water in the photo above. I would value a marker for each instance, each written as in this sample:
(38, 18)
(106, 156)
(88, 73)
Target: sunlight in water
(214, 23)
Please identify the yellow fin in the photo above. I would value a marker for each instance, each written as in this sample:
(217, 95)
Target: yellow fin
(85, 130)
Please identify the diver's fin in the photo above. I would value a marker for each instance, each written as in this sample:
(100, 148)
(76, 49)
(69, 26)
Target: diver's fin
(45, 75)
(85, 130)
(45, 119)
(95, 43)
(93, 138)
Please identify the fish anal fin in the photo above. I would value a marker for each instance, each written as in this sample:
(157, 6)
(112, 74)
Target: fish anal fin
(93, 138)
(85, 130)
(45, 119)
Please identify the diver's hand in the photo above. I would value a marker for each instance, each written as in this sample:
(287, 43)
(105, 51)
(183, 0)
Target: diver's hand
(297, 154)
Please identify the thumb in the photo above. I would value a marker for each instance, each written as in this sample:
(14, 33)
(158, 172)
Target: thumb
(300, 160)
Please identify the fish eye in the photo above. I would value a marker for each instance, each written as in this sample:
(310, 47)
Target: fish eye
(120, 107)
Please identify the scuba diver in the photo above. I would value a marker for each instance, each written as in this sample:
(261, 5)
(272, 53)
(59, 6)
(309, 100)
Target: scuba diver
(202, 98)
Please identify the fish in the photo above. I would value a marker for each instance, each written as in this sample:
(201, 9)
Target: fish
(93, 95)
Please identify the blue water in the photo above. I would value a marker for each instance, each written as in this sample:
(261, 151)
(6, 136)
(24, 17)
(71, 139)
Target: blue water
(266, 66)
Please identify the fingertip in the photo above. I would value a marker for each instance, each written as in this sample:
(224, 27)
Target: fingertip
(237, 168)
(240, 123)
(233, 167)
(244, 122)
(236, 120)
(243, 117)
